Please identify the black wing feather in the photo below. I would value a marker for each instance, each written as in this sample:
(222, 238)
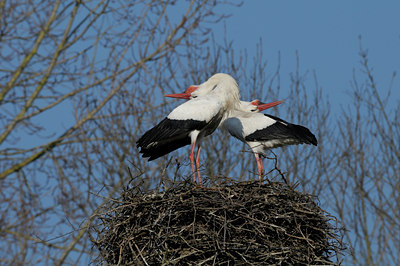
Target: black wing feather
(282, 130)
(167, 136)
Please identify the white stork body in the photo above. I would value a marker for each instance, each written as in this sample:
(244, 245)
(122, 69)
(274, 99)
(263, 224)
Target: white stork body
(188, 123)
(262, 131)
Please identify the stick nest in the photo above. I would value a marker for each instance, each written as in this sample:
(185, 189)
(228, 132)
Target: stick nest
(237, 223)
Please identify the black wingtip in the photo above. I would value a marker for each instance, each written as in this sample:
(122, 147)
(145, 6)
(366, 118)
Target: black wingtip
(309, 137)
(304, 135)
(314, 141)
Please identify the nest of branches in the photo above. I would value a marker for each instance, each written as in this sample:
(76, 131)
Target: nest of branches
(235, 223)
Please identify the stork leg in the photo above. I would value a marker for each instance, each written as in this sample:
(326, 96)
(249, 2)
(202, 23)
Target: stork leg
(259, 166)
(198, 165)
(192, 161)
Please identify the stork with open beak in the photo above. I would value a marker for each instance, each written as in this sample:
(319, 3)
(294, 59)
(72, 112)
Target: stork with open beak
(210, 103)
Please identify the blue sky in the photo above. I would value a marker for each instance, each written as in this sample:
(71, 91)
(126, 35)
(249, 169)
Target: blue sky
(326, 35)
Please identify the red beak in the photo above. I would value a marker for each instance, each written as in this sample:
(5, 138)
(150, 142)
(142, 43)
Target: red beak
(186, 95)
(263, 106)
(179, 95)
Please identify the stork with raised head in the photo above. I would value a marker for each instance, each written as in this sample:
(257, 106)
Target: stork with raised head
(210, 103)
(262, 131)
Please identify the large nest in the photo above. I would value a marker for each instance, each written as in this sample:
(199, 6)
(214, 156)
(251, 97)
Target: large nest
(237, 223)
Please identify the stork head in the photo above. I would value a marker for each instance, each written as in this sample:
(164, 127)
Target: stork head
(221, 85)
(257, 105)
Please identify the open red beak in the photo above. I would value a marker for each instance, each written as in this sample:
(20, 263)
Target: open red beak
(263, 106)
(179, 95)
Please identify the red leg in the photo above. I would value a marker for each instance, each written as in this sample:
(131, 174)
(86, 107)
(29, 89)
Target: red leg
(259, 166)
(198, 165)
(192, 161)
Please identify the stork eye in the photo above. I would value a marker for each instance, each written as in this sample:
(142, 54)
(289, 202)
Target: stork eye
(194, 96)
(253, 110)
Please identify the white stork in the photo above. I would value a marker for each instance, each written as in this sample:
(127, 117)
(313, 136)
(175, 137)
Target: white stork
(263, 131)
(210, 103)
(241, 113)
